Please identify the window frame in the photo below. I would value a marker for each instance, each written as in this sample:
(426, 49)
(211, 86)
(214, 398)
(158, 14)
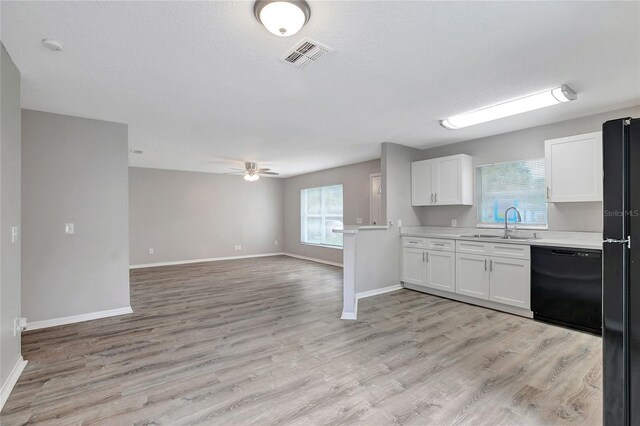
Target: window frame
(323, 215)
(478, 200)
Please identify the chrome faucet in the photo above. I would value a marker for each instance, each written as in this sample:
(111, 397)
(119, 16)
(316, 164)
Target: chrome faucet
(506, 214)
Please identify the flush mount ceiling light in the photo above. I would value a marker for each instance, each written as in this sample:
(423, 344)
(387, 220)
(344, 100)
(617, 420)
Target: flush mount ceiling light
(517, 106)
(282, 17)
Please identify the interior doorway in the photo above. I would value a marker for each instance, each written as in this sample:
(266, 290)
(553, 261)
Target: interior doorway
(375, 198)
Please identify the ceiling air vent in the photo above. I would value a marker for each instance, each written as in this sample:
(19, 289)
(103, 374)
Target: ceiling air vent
(305, 52)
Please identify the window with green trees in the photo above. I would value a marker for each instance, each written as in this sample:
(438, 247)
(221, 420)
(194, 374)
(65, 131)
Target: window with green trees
(321, 213)
(515, 183)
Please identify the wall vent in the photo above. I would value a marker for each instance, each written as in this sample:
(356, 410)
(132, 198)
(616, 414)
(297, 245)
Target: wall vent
(304, 53)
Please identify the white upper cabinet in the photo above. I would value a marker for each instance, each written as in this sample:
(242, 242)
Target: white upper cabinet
(442, 181)
(421, 178)
(573, 167)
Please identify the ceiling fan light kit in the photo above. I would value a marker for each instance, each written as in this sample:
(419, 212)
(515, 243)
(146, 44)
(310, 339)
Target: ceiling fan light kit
(283, 18)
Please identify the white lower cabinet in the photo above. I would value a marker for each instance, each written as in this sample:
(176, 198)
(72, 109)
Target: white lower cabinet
(510, 282)
(472, 275)
(497, 272)
(441, 270)
(413, 266)
(429, 268)
(498, 279)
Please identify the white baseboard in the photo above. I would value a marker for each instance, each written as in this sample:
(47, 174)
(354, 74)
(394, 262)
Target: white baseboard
(11, 381)
(365, 294)
(348, 316)
(313, 259)
(472, 300)
(378, 291)
(35, 325)
(210, 259)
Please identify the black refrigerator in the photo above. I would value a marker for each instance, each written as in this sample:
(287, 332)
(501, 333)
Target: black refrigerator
(621, 272)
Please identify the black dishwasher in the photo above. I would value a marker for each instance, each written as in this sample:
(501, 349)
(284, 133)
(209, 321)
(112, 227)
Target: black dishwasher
(566, 287)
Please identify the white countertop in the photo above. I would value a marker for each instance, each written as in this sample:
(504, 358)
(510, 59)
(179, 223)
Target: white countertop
(584, 240)
(352, 229)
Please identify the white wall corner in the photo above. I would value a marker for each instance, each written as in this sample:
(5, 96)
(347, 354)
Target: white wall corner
(11, 381)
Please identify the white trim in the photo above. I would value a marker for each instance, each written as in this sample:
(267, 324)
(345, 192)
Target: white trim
(35, 325)
(378, 291)
(364, 294)
(329, 246)
(211, 259)
(527, 313)
(11, 381)
(313, 259)
(348, 316)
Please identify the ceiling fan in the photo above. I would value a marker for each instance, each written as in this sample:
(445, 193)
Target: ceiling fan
(252, 172)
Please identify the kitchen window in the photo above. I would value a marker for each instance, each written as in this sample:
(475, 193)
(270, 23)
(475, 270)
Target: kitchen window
(514, 183)
(321, 213)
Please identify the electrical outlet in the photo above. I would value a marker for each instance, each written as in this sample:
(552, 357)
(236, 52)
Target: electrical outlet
(14, 234)
(454, 222)
(151, 251)
(19, 325)
(359, 221)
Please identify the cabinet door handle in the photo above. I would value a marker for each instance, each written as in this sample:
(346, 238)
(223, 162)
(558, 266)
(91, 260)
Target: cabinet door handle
(423, 253)
(436, 197)
(432, 198)
(485, 264)
(547, 192)
(491, 265)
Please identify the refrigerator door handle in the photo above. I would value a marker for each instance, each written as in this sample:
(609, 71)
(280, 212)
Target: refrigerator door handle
(612, 241)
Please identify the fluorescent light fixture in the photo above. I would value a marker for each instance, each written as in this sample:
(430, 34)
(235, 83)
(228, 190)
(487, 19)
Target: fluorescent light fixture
(517, 106)
(283, 18)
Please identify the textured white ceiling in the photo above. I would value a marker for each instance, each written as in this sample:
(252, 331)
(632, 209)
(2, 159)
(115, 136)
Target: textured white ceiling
(201, 82)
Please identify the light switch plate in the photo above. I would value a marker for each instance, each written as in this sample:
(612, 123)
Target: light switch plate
(454, 222)
(14, 234)
(69, 228)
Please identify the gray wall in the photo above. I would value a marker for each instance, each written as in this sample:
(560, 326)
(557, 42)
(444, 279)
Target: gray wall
(355, 181)
(192, 215)
(523, 144)
(396, 183)
(73, 170)
(9, 213)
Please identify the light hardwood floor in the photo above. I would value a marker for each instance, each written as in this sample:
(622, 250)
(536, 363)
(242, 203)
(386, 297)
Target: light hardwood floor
(259, 341)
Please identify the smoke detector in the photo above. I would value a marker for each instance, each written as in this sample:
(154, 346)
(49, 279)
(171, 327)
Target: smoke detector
(54, 45)
(305, 52)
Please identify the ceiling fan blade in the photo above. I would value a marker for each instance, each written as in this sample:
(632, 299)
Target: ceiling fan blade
(263, 170)
(269, 173)
(233, 173)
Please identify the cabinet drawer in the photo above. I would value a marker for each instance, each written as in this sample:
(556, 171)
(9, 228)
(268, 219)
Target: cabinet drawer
(473, 247)
(441, 244)
(414, 242)
(515, 251)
